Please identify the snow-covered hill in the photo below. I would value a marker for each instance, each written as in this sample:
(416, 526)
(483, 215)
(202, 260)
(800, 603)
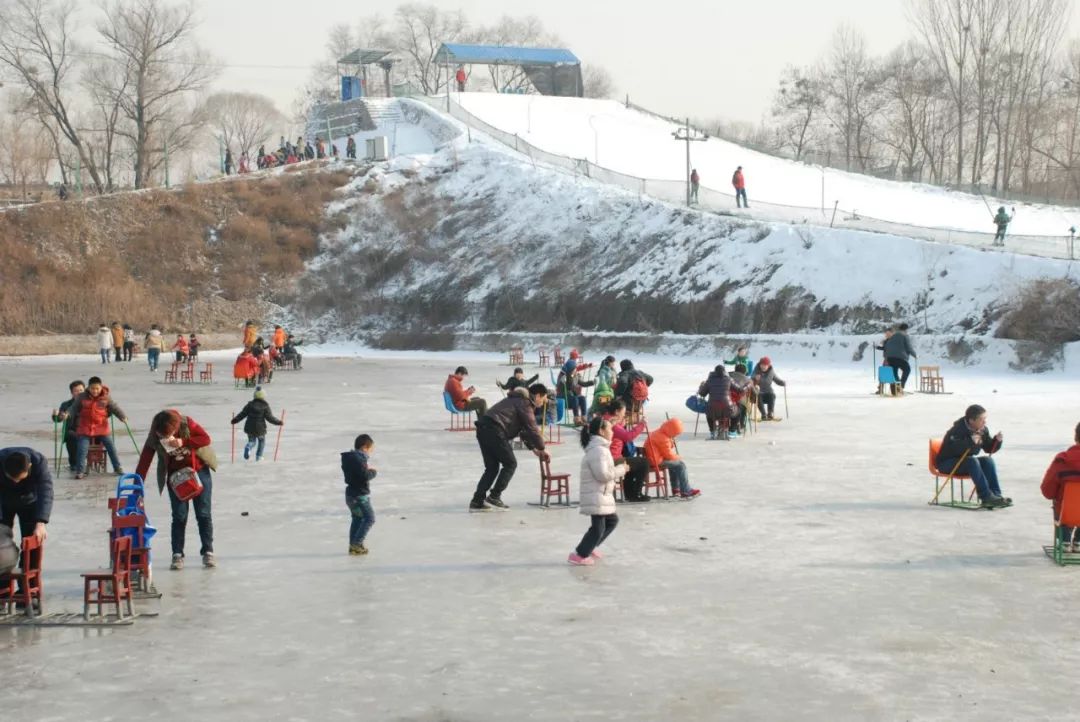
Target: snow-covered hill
(474, 236)
(613, 136)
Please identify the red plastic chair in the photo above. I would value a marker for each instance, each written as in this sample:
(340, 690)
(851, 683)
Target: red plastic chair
(24, 585)
(111, 587)
(553, 485)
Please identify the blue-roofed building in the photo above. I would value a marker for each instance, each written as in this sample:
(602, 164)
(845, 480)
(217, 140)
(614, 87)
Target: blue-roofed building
(552, 71)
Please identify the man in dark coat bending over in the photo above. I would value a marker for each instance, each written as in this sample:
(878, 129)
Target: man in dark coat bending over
(512, 417)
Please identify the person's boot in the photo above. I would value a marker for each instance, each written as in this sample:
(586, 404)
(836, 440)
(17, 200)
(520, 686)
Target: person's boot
(177, 562)
(478, 505)
(496, 502)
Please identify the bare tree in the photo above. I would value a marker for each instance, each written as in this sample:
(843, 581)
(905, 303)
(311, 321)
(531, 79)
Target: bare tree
(25, 152)
(159, 65)
(851, 84)
(421, 30)
(37, 43)
(243, 120)
(597, 82)
(797, 106)
(945, 28)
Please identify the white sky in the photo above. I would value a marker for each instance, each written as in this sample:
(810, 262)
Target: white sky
(705, 58)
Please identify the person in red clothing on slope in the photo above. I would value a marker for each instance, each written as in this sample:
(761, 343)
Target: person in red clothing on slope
(459, 76)
(181, 445)
(739, 182)
(1065, 467)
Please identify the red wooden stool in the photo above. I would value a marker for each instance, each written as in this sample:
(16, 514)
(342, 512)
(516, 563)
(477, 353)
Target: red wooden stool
(140, 554)
(206, 376)
(95, 459)
(658, 480)
(553, 485)
(187, 374)
(545, 359)
(113, 586)
(170, 373)
(24, 585)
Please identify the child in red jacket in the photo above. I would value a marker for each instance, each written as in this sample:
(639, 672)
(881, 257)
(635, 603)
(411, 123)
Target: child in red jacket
(1064, 468)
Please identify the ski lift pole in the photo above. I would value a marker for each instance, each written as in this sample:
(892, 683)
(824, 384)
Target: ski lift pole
(277, 444)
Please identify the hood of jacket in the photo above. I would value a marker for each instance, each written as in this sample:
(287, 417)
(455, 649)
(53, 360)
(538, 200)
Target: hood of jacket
(603, 388)
(672, 427)
(521, 391)
(597, 440)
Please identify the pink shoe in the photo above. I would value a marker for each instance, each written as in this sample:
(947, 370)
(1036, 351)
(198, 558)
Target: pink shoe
(580, 561)
(693, 492)
(596, 555)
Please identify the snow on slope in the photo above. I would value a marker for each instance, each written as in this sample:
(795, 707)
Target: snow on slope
(481, 223)
(613, 136)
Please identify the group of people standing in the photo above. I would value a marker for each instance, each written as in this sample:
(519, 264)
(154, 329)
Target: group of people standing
(738, 182)
(116, 343)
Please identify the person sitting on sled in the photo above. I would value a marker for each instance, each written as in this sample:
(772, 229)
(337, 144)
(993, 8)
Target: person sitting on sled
(1065, 467)
(764, 378)
(959, 455)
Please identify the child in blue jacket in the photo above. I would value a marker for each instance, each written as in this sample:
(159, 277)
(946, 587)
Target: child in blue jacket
(358, 474)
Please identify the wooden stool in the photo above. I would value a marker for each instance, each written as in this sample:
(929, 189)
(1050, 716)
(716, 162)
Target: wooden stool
(553, 485)
(113, 586)
(24, 585)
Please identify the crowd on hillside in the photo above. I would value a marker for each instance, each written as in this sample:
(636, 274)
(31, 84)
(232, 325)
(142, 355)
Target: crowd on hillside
(287, 153)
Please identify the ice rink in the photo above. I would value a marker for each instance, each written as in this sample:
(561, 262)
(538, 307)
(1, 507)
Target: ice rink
(809, 581)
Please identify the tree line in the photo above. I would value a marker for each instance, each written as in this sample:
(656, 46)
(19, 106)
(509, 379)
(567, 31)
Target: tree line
(985, 94)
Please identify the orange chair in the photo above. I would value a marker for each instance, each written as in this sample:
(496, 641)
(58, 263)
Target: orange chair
(24, 585)
(965, 498)
(1059, 551)
(113, 586)
(553, 485)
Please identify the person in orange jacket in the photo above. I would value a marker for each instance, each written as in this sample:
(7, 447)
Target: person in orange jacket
(181, 348)
(246, 368)
(460, 77)
(661, 452)
(250, 334)
(462, 397)
(1064, 468)
(279, 338)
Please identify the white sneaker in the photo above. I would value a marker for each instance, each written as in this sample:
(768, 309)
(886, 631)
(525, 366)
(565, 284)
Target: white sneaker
(177, 562)
(208, 560)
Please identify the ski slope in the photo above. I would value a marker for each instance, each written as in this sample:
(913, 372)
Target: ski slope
(610, 135)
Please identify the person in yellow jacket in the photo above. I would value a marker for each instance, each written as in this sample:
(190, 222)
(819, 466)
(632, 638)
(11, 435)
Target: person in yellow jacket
(117, 340)
(279, 338)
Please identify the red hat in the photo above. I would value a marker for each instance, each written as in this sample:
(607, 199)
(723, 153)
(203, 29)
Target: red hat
(765, 361)
(575, 354)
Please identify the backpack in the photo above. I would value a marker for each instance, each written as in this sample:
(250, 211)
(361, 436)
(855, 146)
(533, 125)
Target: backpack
(639, 390)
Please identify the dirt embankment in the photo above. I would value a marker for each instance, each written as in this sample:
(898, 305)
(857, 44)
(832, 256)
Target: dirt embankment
(202, 258)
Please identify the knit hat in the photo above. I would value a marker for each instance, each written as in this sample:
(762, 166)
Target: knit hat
(260, 394)
(575, 354)
(603, 389)
(765, 361)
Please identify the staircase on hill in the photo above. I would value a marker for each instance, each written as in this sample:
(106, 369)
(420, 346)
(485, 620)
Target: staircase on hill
(384, 111)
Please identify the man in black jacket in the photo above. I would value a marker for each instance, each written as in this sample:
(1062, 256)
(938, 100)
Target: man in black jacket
(26, 491)
(512, 417)
(898, 350)
(258, 415)
(959, 455)
(61, 416)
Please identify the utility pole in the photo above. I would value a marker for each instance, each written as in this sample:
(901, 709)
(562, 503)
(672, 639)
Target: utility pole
(688, 135)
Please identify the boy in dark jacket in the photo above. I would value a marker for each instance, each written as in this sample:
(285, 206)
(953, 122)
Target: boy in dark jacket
(358, 475)
(61, 414)
(959, 449)
(258, 414)
(518, 381)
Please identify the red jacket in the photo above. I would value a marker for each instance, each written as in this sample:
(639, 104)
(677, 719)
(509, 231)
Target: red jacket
(196, 439)
(246, 366)
(620, 435)
(738, 181)
(1065, 467)
(181, 345)
(460, 75)
(92, 414)
(457, 392)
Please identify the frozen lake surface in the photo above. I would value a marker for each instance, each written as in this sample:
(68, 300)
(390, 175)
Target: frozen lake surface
(810, 581)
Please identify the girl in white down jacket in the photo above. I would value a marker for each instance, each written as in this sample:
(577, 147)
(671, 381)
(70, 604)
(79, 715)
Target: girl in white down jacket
(598, 477)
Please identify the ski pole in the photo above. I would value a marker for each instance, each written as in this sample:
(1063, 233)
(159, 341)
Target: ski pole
(56, 443)
(232, 453)
(280, 428)
(63, 444)
(786, 415)
(132, 437)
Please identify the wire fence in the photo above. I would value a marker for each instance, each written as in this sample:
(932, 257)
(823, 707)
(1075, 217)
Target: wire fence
(723, 201)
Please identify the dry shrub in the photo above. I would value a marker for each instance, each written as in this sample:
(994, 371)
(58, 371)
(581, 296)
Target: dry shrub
(1046, 311)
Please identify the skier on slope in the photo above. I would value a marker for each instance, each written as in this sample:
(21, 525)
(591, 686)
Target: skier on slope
(1002, 220)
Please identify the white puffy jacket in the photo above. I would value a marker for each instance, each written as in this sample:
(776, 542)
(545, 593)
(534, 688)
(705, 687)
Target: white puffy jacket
(104, 338)
(598, 476)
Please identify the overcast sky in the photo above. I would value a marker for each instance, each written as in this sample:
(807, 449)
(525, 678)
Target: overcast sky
(704, 58)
